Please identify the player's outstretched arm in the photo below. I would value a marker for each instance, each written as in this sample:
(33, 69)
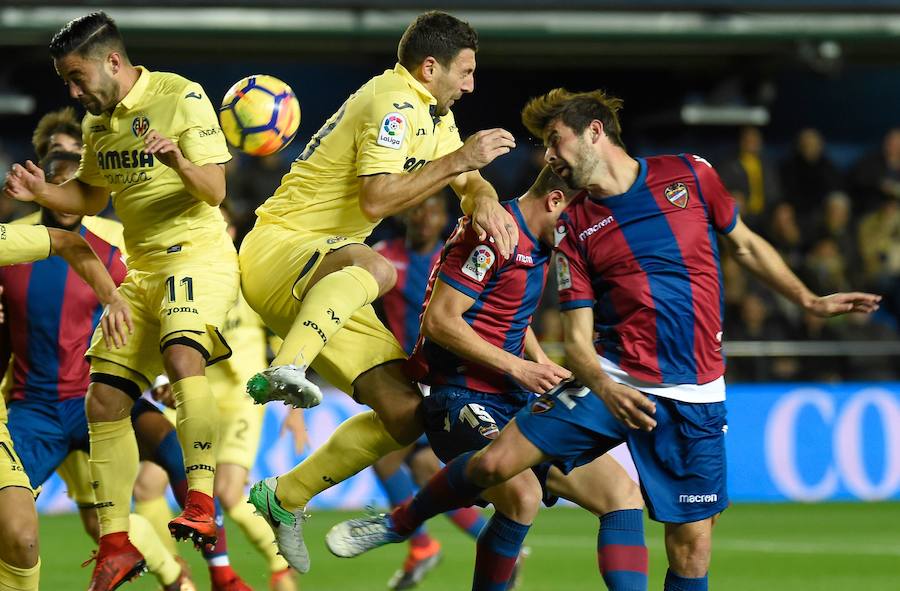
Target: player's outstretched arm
(626, 404)
(753, 252)
(116, 320)
(26, 183)
(444, 324)
(205, 182)
(383, 195)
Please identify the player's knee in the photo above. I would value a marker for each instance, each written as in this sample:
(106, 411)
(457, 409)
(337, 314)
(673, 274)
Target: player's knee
(105, 403)
(228, 492)
(488, 468)
(383, 271)
(21, 544)
(183, 361)
(689, 552)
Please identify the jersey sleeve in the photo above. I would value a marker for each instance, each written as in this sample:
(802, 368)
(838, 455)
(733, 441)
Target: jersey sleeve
(469, 263)
(384, 134)
(448, 138)
(201, 139)
(722, 208)
(572, 278)
(23, 244)
(89, 171)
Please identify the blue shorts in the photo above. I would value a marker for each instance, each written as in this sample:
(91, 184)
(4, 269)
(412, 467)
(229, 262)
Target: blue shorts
(681, 463)
(45, 432)
(458, 420)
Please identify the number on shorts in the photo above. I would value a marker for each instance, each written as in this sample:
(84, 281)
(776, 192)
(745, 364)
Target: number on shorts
(567, 396)
(243, 426)
(474, 414)
(188, 284)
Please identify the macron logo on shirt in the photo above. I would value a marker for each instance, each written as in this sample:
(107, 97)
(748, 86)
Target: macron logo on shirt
(596, 227)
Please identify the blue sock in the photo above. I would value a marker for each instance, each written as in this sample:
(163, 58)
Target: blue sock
(676, 583)
(468, 519)
(400, 488)
(218, 556)
(168, 456)
(498, 548)
(621, 553)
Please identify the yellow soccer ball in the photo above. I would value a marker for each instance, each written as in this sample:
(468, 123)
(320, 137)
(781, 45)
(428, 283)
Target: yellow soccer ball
(259, 115)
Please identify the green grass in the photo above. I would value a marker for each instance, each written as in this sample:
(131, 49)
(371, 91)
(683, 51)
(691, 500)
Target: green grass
(830, 547)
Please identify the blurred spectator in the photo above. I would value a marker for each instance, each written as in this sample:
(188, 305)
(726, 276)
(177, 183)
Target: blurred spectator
(255, 181)
(755, 321)
(819, 369)
(835, 222)
(879, 242)
(824, 269)
(861, 327)
(877, 176)
(808, 175)
(784, 233)
(752, 177)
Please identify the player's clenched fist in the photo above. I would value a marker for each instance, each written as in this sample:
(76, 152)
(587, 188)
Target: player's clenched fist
(484, 146)
(24, 183)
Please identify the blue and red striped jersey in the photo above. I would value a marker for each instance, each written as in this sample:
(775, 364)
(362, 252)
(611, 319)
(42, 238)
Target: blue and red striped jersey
(402, 305)
(506, 294)
(647, 261)
(51, 314)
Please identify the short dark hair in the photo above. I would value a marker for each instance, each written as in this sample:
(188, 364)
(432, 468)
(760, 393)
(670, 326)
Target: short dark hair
(575, 110)
(548, 181)
(61, 121)
(86, 36)
(436, 34)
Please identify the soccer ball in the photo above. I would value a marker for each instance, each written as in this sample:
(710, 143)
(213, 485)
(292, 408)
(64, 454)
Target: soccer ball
(259, 115)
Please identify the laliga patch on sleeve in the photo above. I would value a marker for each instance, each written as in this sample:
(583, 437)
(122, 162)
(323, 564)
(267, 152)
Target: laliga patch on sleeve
(478, 263)
(390, 134)
(563, 273)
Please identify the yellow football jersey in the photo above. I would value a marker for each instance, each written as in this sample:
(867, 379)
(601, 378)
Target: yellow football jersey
(105, 228)
(246, 335)
(386, 126)
(23, 244)
(150, 198)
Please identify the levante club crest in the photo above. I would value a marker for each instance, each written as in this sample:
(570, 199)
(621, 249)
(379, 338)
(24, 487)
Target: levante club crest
(677, 194)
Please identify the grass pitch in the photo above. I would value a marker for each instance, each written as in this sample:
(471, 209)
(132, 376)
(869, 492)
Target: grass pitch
(830, 547)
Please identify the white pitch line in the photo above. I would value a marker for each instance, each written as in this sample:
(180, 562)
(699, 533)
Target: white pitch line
(738, 545)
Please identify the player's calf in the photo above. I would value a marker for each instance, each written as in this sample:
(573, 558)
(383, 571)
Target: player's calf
(506, 456)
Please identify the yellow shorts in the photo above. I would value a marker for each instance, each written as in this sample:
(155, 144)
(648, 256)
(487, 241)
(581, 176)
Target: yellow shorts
(276, 263)
(76, 473)
(12, 473)
(185, 300)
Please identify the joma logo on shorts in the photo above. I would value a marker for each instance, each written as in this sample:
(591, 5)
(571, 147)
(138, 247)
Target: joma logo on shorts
(713, 498)
(316, 328)
(176, 310)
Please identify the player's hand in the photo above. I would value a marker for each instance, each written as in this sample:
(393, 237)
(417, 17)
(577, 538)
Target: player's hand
(628, 405)
(490, 219)
(116, 323)
(24, 183)
(163, 148)
(842, 303)
(295, 423)
(538, 377)
(483, 147)
(162, 393)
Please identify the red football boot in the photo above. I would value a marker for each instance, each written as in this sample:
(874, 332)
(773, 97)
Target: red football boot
(197, 521)
(118, 562)
(283, 580)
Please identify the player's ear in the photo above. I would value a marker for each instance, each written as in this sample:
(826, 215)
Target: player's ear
(596, 129)
(428, 68)
(556, 199)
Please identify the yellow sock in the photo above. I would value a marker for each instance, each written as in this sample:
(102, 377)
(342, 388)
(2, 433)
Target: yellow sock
(114, 467)
(258, 533)
(159, 560)
(325, 308)
(158, 515)
(356, 444)
(197, 428)
(13, 578)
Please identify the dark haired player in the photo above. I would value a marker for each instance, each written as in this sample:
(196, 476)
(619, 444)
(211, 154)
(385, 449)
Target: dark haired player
(152, 140)
(307, 272)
